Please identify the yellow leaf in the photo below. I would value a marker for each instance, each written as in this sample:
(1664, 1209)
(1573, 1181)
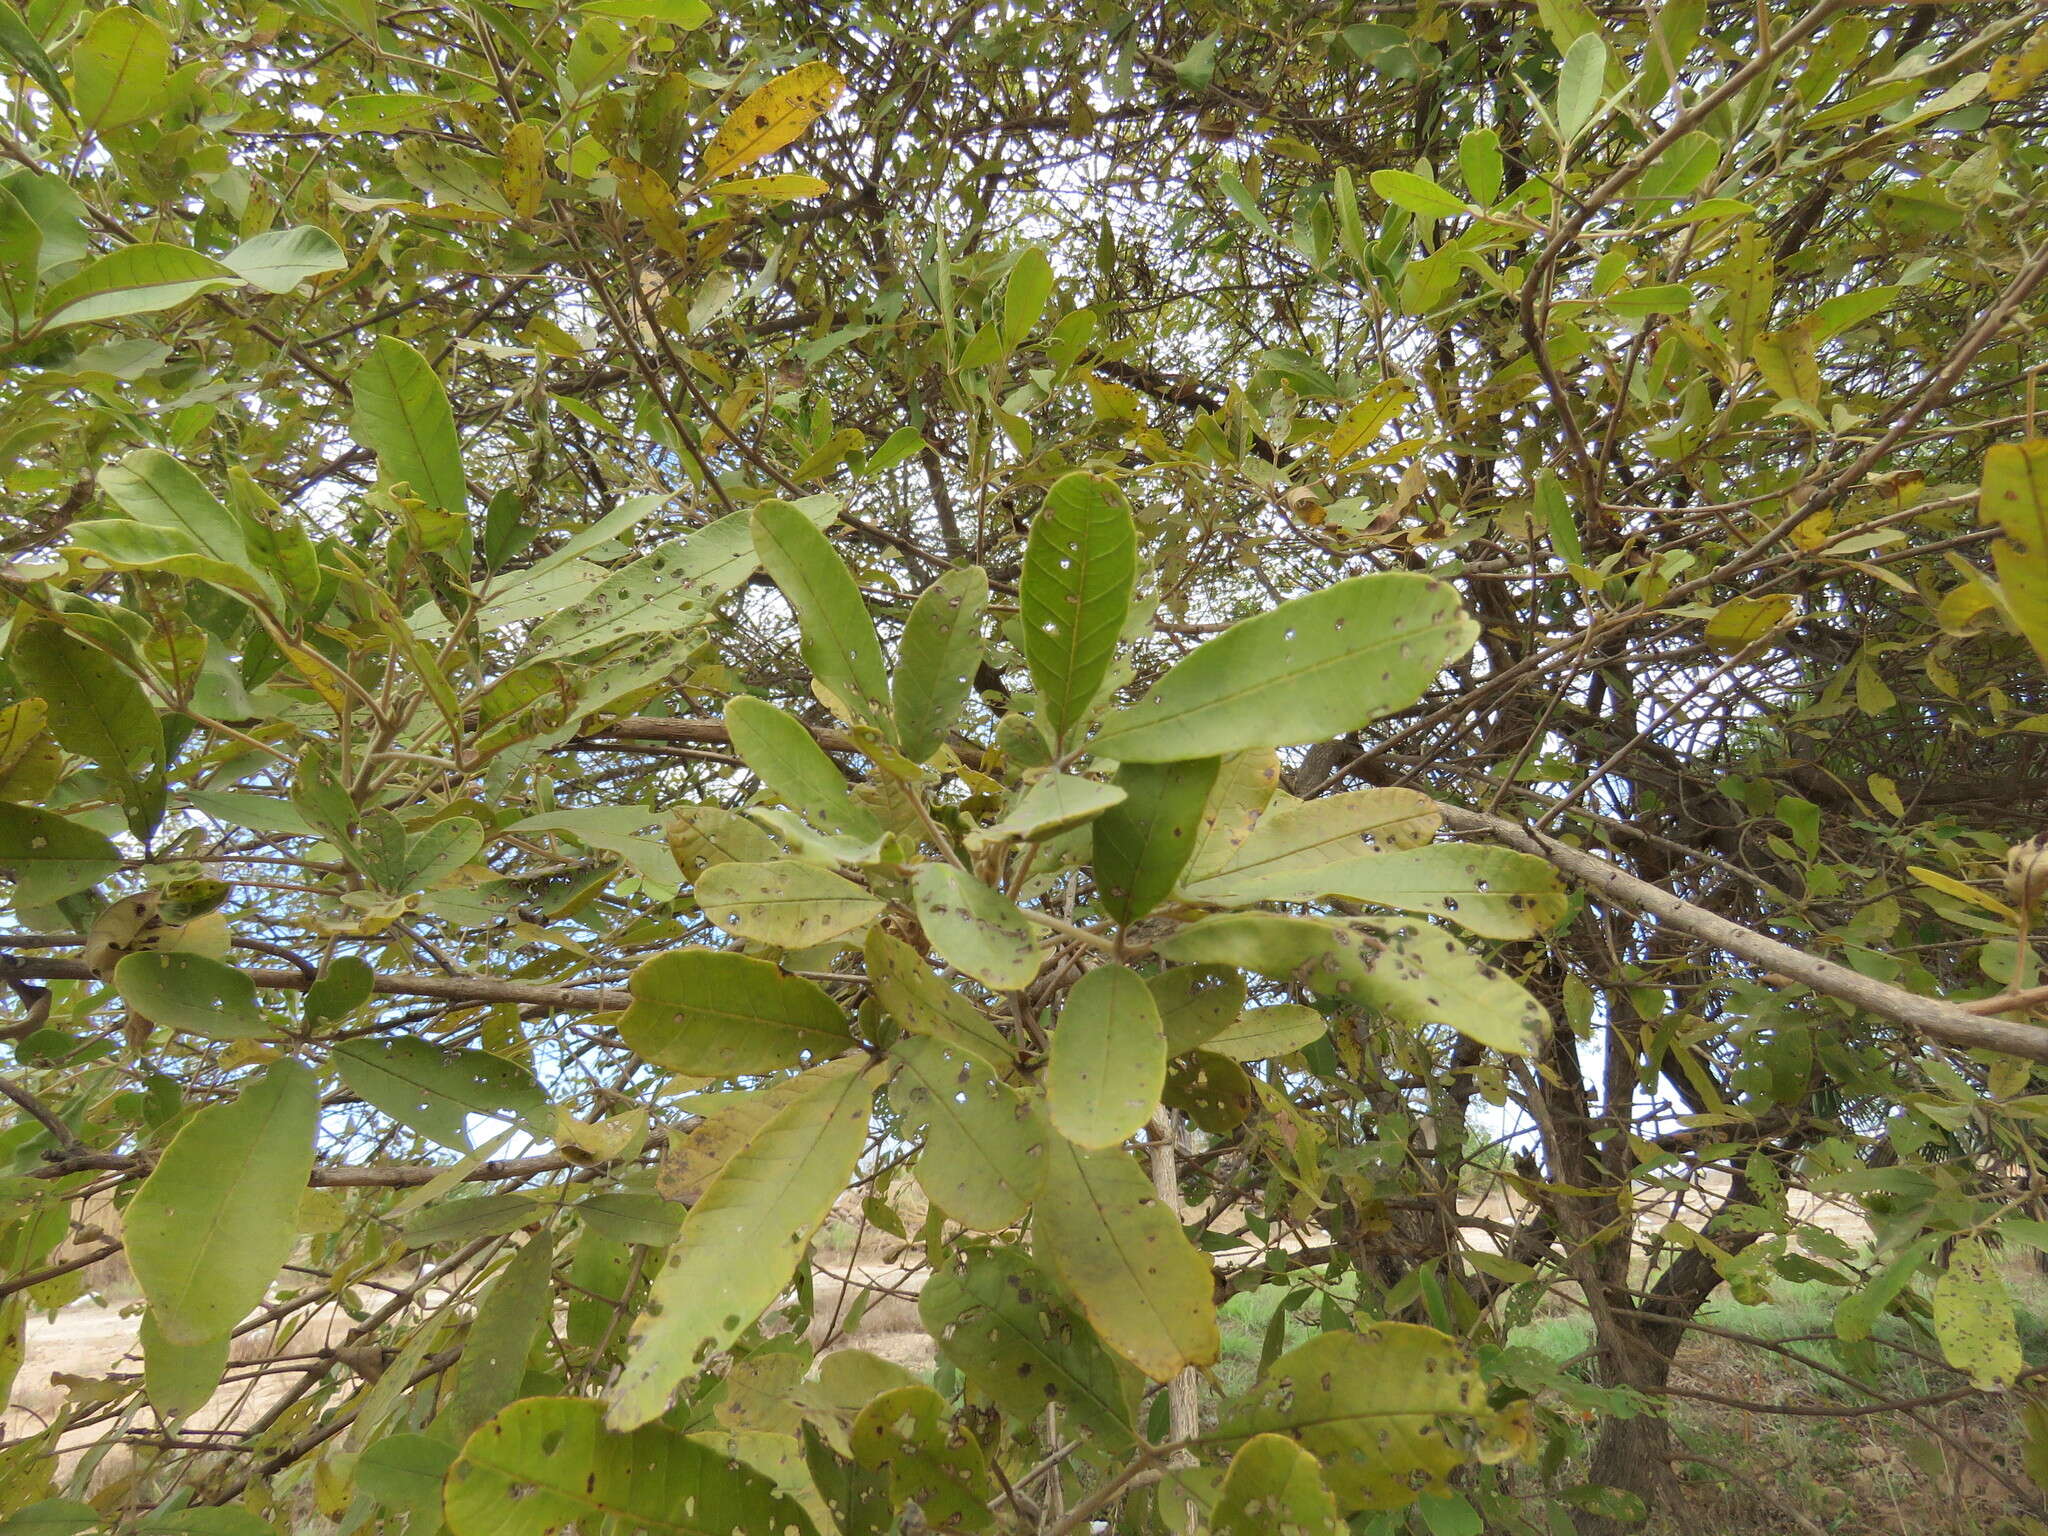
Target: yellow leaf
(1111, 401)
(1886, 793)
(1787, 362)
(1742, 621)
(2015, 491)
(1872, 696)
(524, 176)
(1949, 886)
(775, 115)
(1809, 533)
(775, 189)
(1973, 1317)
(1359, 425)
(2014, 74)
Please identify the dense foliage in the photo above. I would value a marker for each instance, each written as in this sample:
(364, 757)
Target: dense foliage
(1320, 646)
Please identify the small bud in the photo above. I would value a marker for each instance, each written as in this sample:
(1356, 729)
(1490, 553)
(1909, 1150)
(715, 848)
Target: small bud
(2026, 871)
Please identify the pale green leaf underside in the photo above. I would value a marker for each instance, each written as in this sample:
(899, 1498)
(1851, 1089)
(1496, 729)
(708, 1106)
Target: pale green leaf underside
(1312, 668)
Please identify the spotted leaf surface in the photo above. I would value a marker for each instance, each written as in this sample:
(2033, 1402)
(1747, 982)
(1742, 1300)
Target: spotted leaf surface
(546, 1464)
(984, 1142)
(718, 1014)
(1143, 1286)
(1389, 1410)
(1312, 668)
(742, 1239)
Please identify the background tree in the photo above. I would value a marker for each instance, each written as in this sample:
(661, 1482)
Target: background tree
(1142, 636)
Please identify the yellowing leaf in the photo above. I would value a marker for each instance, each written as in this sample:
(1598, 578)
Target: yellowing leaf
(780, 188)
(1363, 422)
(1146, 1290)
(775, 115)
(525, 175)
(742, 1239)
(1376, 1407)
(1108, 1060)
(1973, 1317)
(1786, 360)
(1742, 621)
(2014, 75)
(1948, 886)
(216, 1218)
(2015, 492)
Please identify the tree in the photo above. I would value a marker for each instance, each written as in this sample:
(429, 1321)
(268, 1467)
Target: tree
(1111, 643)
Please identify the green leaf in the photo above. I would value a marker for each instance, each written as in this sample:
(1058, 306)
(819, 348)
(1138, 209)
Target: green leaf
(1294, 836)
(1973, 1317)
(159, 492)
(1580, 79)
(677, 585)
(1742, 621)
(1024, 296)
(51, 857)
(789, 761)
(1080, 568)
(404, 1474)
(1273, 1485)
(839, 644)
(1418, 975)
(742, 1239)
(344, 984)
(470, 1216)
(923, 1004)
(1260, 1033)
(192, 993)
(1056, 803)
(548, 1463)
(1494, 892)
(1481, 164)
(1196, 1003)
(713, 1013)
(980, 933)
(435, 1090)
(700, 836)
(20, 45)
(1108, 1061)
(935, 1466)
(179, 1378)
(1004, 1325)
(984, 1143)
(402, 415)
(1417, 194)
(217, 1216)
(937, 660)
(1380, 1408)
(1143, 844)
(1857, 1313)
(118, 68)
(784, 902)
(508, 1321)
(676, 13)
(2015, 492)
(594, 536)
(135, 280)
(21, 249)
(278, 260)
(96, 710)
(1315, 667)
(1122, 1254)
